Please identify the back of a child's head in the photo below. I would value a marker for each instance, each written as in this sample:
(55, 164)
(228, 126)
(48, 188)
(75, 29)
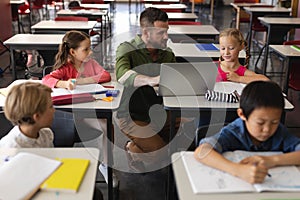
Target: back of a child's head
(260, 94)
(71, 40)
(238, 35)
(24, 100)
(73, 4)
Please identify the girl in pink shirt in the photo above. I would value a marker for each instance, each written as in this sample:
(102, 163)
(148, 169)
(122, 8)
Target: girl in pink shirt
(74, 64)
(229, 69)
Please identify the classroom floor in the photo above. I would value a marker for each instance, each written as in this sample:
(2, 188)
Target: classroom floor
(151, 185)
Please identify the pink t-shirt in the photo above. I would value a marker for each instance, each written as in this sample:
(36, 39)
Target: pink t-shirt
(222, 76)
(67, 71)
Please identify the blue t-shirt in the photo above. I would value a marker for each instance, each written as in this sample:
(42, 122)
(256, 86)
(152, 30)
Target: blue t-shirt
(235, 136)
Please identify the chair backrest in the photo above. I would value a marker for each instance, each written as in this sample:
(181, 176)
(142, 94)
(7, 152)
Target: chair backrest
(207, 130)
(171, 10)
(71, 18)
(184, 23)
(6, 125)
(47, 70)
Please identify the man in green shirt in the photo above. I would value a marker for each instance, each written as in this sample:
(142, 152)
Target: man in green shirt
(141, 116)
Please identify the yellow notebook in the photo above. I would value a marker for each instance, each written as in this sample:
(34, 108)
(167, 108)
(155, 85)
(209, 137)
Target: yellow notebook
(68, 176)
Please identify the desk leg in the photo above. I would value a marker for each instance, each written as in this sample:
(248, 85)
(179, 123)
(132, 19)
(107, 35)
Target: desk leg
(286, 84)
(109, 156)
(170, 182)
(13, 63)
(237, 20)
(250, 31)
(212, 9)
(275, 36)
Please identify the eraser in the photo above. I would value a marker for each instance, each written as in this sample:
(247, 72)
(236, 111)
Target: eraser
(112, 93)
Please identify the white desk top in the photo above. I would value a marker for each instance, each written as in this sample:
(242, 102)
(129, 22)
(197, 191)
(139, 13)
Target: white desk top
(171, 1)
(193, 29)
(82, 12)
(285, 50)
(166, 6)
(190, 50)
(17, 2)
(95, 105)
(181, 16)
(280, 20)
(200, 102)
(96, 5)
(86, 189)
(57, 25)
(266, 9)
(185, 190)
(235, 5)
(34, 39)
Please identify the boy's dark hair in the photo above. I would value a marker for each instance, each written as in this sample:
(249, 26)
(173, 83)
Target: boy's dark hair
(259, 94)
(150, 15)
(73, 4)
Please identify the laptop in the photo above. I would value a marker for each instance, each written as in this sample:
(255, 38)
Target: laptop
(187, 79)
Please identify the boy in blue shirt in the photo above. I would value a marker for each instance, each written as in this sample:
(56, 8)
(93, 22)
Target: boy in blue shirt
(258, 128)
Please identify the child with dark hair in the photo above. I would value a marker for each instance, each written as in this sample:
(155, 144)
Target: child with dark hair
(258, 128)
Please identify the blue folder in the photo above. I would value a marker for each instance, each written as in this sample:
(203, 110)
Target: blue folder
(206, 47)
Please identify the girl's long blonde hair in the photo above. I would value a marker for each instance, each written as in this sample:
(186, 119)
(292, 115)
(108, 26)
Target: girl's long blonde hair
(71, 40)
(237, 34)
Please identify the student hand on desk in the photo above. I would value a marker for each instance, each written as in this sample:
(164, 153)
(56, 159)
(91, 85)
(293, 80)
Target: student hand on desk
(266, 161)
(69, 84)
(252, 173)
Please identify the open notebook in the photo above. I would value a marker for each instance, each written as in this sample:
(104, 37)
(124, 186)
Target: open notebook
(205, 179)
(88, 88)
(22, 174)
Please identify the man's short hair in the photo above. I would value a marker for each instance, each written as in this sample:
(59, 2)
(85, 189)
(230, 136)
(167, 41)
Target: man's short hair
(150, 15)
(259, 94)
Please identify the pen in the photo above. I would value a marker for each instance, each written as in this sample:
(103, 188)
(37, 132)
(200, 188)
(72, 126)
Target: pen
(108, 86)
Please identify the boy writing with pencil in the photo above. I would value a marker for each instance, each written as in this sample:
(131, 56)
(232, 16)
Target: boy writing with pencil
(258, 128)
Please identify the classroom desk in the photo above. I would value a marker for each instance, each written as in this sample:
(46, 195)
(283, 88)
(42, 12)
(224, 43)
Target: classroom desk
(99, 6)
(64, 26)
(193, 106)
(92, 14)
(86, 189)
(31, 42)
(167, 6)
(290, 55)
(182, 16)
(194, 32)
(239, 7)
(185, 191)
(189, 52)
(259, 12)
(277, 30)
(96, 109)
